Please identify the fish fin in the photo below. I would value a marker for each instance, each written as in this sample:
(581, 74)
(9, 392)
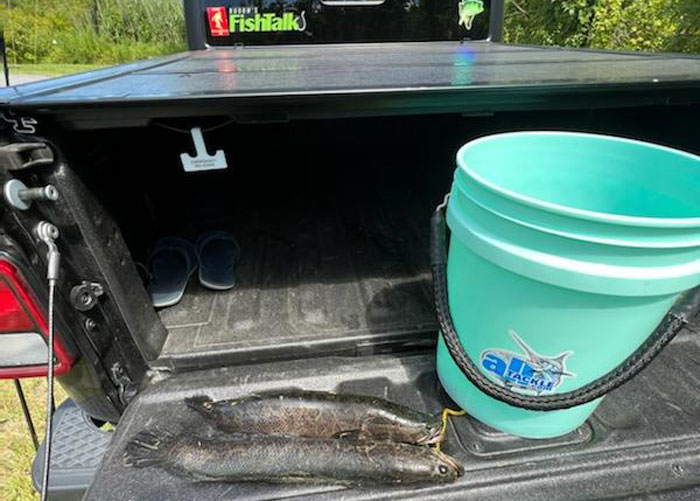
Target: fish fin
(200, 403)
(147, 448)
(563, 356)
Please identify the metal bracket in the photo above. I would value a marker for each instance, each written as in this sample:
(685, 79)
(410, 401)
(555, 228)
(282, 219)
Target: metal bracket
(20, 197)
(48, 233)
(84, 297)
(18, 156)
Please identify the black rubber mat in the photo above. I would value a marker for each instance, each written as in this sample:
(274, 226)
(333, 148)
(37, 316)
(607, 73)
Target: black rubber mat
(78, 446)
(642, 443)
(335, 273)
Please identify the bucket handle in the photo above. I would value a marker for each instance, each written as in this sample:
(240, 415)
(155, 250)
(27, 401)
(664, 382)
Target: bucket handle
(674, 321)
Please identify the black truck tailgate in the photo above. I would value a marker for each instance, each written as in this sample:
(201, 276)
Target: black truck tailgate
(643, 439)
(360, 80)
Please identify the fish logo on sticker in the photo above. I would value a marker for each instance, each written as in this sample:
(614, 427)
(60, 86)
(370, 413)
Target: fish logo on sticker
(468, 10)
(218, 21)
(528, 372)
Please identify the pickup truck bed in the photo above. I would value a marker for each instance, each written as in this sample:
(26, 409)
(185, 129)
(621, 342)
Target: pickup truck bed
(642, 442)
(277, 83)
(333, 289)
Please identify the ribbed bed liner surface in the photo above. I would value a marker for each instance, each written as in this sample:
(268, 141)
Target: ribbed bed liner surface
(331, 272)
(643, 442)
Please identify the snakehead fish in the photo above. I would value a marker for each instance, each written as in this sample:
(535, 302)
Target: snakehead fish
(320, 414)
(240, 457)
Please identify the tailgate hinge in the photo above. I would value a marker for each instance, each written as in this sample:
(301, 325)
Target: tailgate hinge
(18, 156)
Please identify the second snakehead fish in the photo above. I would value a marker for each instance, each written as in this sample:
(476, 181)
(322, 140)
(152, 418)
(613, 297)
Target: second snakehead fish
(240, 457)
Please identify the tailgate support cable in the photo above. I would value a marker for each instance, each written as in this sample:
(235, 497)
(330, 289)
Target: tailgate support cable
(48, 233)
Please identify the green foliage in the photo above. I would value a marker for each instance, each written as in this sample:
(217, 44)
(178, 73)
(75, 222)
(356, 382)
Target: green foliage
(84, 46)
(91, 31)
(648, 25)
(687, 16)
(30, 29)
(148, 21)
(549, 22)
(111, 31)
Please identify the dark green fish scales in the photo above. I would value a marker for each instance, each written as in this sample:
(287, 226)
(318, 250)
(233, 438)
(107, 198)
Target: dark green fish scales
(241, 457)
(319, 414)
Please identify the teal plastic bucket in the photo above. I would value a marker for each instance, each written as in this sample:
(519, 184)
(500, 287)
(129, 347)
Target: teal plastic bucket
(566, 251)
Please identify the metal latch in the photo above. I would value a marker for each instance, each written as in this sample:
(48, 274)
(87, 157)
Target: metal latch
(84, 296)
(18, 156)
(20, 197)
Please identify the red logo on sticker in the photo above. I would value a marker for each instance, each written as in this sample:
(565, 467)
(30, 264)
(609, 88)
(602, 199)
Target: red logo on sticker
(218, 21)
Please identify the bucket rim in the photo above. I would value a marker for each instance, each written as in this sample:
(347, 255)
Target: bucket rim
(618, 219)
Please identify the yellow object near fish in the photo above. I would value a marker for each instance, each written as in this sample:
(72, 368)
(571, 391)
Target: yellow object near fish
(446, 412)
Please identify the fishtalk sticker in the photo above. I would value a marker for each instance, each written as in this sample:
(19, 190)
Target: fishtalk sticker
(529, 371)
(250, 20)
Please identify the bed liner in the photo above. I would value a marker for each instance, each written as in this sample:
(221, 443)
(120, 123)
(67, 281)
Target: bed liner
(643, 442)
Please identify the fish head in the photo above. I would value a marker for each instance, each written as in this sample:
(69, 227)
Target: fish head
(445, 468)
(426, 464)
(471, 7)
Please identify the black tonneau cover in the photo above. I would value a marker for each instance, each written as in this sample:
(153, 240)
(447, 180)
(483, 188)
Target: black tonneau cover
(361, 80)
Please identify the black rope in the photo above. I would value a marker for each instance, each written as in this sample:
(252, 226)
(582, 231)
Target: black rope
(188, 131)
(671, 325)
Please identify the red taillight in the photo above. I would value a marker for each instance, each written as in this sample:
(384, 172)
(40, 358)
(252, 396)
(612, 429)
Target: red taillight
(23, 330)
(13, 316)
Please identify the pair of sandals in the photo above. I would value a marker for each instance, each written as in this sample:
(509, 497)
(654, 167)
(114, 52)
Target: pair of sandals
(174, 260)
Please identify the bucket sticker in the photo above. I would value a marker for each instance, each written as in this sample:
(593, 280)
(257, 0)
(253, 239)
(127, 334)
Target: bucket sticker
(528, 372)
(468, 10)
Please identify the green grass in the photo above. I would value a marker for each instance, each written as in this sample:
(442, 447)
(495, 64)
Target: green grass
(91, 31)
(16, 449)
(51, 69)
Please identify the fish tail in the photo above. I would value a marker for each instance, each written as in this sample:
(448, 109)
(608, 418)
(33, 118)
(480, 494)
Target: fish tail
(147, 448)
(200, 403)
